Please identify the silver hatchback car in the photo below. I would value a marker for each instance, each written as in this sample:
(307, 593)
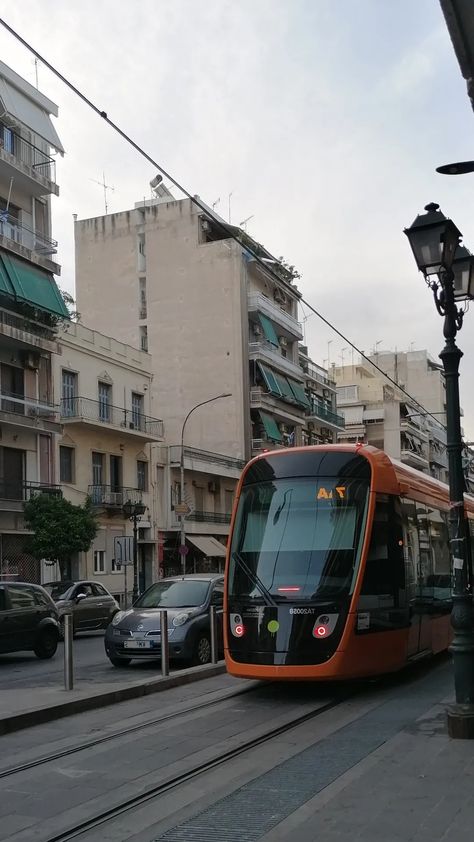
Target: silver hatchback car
(91, 605)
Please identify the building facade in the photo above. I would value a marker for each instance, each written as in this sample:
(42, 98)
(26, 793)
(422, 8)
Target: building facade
(378, 413)
(216, 321)
(31, 309)
(104, 452)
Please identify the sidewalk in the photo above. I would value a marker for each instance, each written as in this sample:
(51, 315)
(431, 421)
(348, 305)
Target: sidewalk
(22, 708)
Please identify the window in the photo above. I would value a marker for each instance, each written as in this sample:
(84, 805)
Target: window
(98, 590)
(41, 598)
(116, 473)
(229, 500)
(142, 476)
(66, 464)
(97, 468)
(105, 401)
(217, 597)
(12, 472)
(7, 137)
(143, 303)
(12, 383)
(143, 338)
(21, 598)
(3, 600)
(99, 561)
(68, 392)
(84, 587)
(137, 410)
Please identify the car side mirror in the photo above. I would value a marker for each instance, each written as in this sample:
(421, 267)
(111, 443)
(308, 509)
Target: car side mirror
(80, 597)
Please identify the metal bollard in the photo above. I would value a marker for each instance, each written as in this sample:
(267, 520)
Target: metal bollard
(165, 655)
(212, 620)
(68, 658)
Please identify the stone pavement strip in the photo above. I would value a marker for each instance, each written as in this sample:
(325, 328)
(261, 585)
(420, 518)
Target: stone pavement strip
(43, 704)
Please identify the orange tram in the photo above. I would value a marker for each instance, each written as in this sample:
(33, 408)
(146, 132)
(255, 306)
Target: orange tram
(338, 565)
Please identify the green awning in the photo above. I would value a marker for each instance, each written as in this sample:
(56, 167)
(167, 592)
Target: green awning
(268, 329)
(271, 427)
(270, 379)
(31, 285)
(299, 393)
(285, 388)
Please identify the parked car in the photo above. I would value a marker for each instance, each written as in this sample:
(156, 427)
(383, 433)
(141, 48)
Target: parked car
(28, 620)
(91, 605)
(136, 633)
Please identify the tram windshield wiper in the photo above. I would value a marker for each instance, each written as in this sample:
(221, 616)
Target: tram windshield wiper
(268, 599)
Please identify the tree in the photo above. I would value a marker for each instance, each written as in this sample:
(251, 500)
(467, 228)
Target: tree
(60, 528)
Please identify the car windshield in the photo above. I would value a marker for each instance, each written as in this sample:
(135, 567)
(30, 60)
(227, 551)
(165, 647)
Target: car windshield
(174, 594)
(58, 590)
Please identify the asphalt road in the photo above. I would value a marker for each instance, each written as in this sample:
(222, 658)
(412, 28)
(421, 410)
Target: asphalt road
(24, 669)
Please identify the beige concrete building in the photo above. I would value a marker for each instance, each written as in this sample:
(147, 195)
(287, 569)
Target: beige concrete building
(377, 413)
(106, 410)
(215, 321)
(31, 307)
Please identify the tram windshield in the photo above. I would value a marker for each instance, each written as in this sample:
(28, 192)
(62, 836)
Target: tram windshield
(297, 538)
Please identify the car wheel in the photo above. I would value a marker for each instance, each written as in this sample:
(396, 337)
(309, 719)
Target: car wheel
(47, 644)
(119, 662)
(202, 651)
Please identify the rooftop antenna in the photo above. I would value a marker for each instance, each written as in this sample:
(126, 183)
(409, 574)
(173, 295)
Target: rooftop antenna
(229, 197)
(243, 224)
(36, 71)
(343, 351)
(106, 187)
(214, 204)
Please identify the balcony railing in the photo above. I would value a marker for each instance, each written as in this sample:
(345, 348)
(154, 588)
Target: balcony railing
(315, 374)
(113, 497)
(24, 236)
(258, 302)
(269, 352)
(18, 489)
(208, 517)
(324, 414)
(105, 413)
(30, 407)
(23, 325)
(26, 153)
(205, 456)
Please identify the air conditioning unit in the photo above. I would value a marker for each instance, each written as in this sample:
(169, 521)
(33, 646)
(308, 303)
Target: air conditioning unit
(213, 487)
(283, 341)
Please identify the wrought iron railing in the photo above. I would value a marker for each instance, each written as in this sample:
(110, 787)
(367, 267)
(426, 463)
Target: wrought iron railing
(205, 456)
(21, 405)
(11, 228)
(18, 489)
(106, 413)
(111, 496)
(208, 517)
(319, 410)
(24, 325)
(27, 153)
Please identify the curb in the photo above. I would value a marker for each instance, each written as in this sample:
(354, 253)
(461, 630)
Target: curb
(18, 721)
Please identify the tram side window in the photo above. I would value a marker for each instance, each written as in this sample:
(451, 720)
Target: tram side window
(439, 579)
(383, 592)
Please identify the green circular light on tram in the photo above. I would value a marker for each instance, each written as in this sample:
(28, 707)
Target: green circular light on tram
(273, 626)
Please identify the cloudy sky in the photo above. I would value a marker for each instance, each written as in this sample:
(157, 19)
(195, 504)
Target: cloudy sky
(325, 119)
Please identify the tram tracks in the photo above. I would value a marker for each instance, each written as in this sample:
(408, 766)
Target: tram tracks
(115, 735)
(157, 790)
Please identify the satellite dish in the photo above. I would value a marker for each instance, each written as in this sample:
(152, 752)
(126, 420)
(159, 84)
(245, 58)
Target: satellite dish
(156, 181)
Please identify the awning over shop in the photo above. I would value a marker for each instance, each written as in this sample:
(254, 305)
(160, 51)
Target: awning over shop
(268, 329)
(271, 427)
(28, 283)
(32, 111)
(211, 547)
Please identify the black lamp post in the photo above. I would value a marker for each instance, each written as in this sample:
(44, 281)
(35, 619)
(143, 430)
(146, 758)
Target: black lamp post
(134, 511)
(449, 272)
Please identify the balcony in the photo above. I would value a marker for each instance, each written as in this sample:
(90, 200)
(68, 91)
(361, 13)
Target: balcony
(202, 523)
(33, 170)
(414, 459)
(325, 416)
(291, 327)
(104, 416)
(21, 411)
(14, 493)
(266, 351)
(318, 374)
(207, 462)
(112, 497)
(27, 243)
(27, 332)
(407, 425)
(208, 517)
(288, 413)
(262, 445)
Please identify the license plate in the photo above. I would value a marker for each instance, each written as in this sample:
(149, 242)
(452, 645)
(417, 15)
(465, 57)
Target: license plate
(137, 644)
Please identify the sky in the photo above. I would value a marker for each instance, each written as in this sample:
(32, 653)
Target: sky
(325, 120)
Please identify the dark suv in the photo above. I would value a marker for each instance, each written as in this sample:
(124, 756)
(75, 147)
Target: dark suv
(28, 619)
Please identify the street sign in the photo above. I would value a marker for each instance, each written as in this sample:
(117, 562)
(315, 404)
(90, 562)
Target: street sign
(182, 509)
(123, 550)
(183, 549)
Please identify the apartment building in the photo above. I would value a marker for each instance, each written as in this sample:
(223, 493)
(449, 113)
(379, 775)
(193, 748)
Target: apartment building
(216, 321)
(31, 307)
(378, 413)
(104, 453)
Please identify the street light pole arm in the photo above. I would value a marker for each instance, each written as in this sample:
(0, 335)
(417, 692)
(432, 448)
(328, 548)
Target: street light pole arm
(203, 403)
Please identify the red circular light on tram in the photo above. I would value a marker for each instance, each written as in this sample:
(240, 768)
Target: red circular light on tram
(320, 631)
(239, 630)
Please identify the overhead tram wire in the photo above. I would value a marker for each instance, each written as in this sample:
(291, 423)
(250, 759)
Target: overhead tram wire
(221, 225)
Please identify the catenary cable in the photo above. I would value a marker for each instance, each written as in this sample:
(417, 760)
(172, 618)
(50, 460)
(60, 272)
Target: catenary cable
(229, 230)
